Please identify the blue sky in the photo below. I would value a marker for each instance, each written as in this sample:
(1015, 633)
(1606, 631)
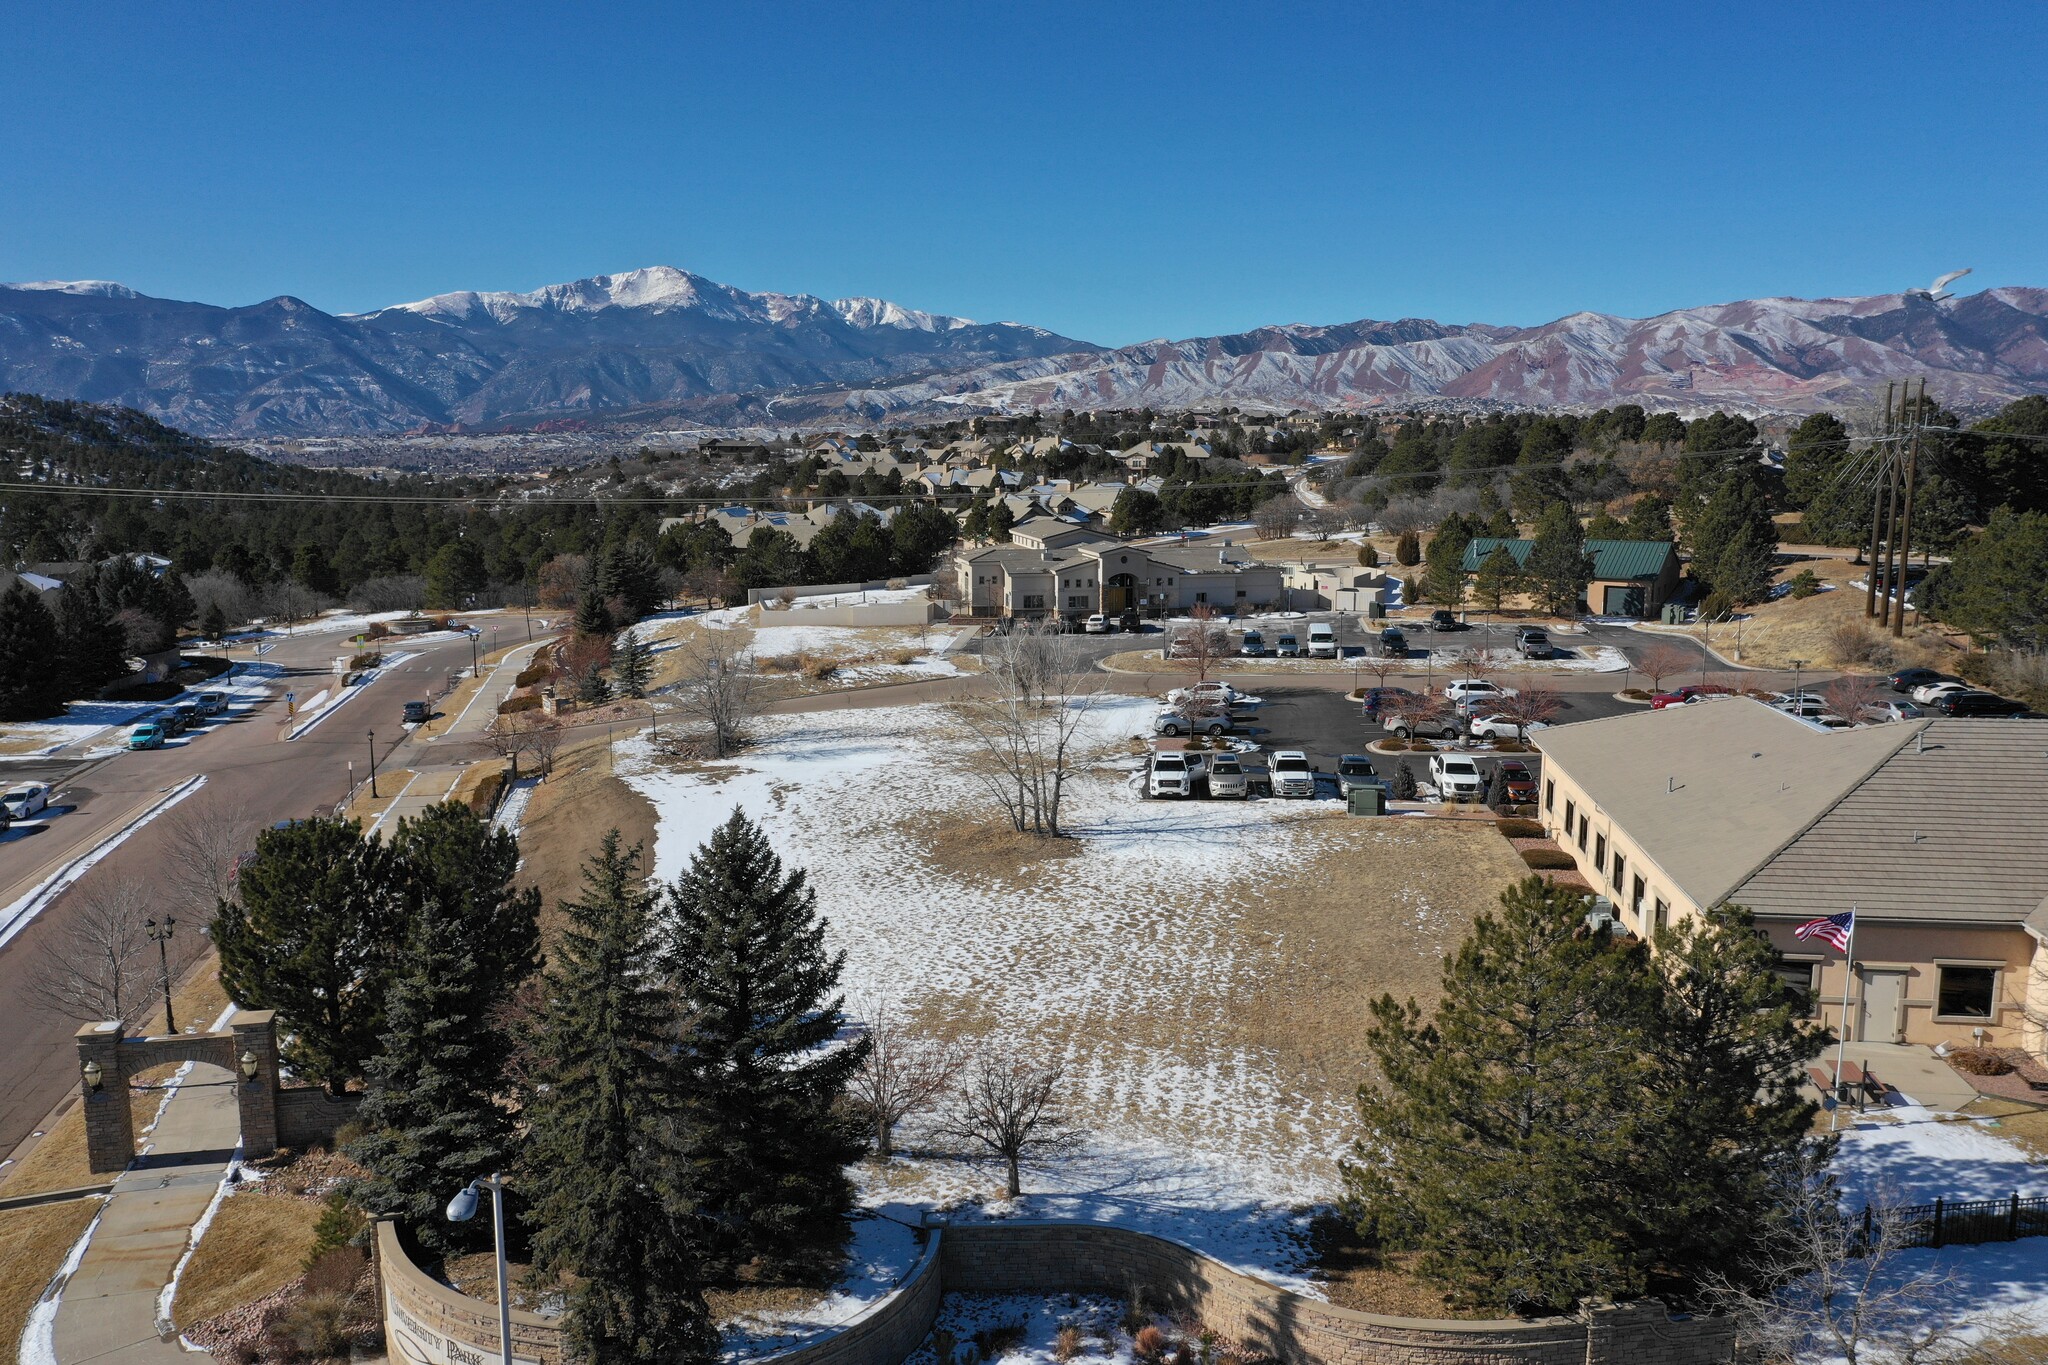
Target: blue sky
(1112, 171)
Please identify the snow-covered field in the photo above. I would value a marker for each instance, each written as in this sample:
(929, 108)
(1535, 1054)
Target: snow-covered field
(882, 1251)
(1910, 1155)
(1123, 960)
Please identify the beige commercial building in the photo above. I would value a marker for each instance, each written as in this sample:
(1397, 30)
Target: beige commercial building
(1052, 568)
(1932, 831)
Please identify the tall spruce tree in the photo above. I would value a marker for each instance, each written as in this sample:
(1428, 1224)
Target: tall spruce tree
(91, 646)
(1724, 1123)
(602, 1167)
(1444, 580)
(745, 954)
(1734, 540)
(313, 932)
(432, 1113)
(1558, 566)
(1495, 1141)
(30, 686)
(1499, 578)
(632, 663)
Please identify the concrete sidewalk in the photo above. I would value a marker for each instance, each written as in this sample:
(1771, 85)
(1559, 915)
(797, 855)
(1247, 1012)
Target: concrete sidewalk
(108, 1313)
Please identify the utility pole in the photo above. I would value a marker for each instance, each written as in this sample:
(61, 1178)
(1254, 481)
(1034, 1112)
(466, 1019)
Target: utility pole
(1877, 507)
(1906, 527)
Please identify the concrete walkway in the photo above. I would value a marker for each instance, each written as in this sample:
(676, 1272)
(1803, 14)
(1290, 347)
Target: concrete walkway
(1912, 1070)
(108, 1313)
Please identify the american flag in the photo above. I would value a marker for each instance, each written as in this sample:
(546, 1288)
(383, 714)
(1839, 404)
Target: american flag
(1835, 929)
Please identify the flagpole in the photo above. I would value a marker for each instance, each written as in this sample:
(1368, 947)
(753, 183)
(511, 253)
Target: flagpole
(1842, 1038)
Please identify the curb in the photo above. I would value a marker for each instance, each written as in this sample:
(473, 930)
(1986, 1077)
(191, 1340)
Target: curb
(35, 902)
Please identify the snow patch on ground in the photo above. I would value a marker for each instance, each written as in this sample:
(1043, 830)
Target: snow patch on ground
(1041, 1318)
(1917, 1157)
(15, 916)
(880, 1256)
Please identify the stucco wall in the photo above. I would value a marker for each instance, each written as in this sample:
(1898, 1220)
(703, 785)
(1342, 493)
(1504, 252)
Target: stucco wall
(430, 1324)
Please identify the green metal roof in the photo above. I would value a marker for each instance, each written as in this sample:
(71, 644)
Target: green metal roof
(1612, 559)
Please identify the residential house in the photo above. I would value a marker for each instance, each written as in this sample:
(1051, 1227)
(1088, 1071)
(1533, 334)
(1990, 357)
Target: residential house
(1630, 577)
(1052, 568)
(1930, 831)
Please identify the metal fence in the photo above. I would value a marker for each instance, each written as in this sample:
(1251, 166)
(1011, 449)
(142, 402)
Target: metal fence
(1964, 1222)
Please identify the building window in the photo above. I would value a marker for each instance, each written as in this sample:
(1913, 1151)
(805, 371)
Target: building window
(1663, 914)
(1582, 833)
(1201, 597)
(1965, 992)
(1599, 852)
(1620, 869)
(1549, 794)
(1077, 604)
(1571, 811)
(1802, 985)
(1635, 900)
(1034, 601)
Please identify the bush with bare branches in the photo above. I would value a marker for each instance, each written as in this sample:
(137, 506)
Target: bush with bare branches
(1025, 728)
(719, 688)
(102, 964)
(903, 1074)
(1665, 659)
(1529, 706)
(1014, 1106)
(1853, 697)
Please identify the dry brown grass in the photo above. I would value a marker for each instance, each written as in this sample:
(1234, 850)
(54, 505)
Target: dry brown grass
(978, 851)
(1827, 630)
(254, 1246)
(33, 1242)
(1354, 1276)
(567, 819)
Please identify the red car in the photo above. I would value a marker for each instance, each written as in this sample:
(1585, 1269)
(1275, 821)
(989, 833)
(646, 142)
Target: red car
(1687, 693)
(1518, 780)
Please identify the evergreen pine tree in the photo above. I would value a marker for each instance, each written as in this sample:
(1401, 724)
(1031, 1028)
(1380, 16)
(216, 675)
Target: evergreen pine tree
(1499, 578)
(1408, 550)
(1445, 579)
(1724, 1122)
(31, 686)
(593, 688)
(1000, 520)
(431, 1111)
(92, 649)
(601, 1167)
(313, 933)
(1497, 1141)
(215, 624)
(1558, 566)
(1404, 782)
(1368, 557)
(593, 617)
(747, 960)
(632, 661)
(1650, 518)
(1734, 540)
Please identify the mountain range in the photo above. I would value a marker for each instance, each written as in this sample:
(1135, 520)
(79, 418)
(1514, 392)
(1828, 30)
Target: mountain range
(660, 344)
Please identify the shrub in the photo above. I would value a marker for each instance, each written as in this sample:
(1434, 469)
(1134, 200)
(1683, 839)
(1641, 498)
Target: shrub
(335, 1270)
(317, 1327)
(1548, 859)
(378, 630)
(1183, 1354)
(992, 1342)
(527, 677)
(1404, 782)
(1150, 1344)
(1519, 829)
(817, 670)
(944, 1343)
(367, 659)
(905, 656)
(512, 706)
(1067, 1344)
(1855, 643)
(1510, 746)
(1980, 1061)
(1803, 584)
(341, 1223)
(780, 663)
(1637, 693)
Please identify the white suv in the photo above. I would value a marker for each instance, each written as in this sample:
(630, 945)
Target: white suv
(1462, 690)
(1172, 775)
(1292, 775)
(1457, 778)
(1500, 727)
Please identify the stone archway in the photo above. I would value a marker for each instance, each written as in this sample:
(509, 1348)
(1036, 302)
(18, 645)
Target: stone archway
(109, 1123)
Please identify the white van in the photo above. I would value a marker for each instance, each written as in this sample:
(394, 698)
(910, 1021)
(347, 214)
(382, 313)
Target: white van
(1322, 641)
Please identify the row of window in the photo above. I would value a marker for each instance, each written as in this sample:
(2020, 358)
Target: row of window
(1629, 892)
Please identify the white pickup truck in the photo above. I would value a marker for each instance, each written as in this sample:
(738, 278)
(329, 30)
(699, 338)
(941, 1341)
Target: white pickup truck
(1291, 774)
(1457, 778)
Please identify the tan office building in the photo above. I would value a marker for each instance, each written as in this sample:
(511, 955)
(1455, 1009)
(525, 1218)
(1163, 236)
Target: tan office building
(1933, 831)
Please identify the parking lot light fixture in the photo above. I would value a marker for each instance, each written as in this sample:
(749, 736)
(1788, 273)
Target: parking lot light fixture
(461, 1209)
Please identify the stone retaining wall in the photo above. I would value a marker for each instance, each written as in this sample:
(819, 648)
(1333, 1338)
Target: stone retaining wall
(309, 1116)
(429, 1324)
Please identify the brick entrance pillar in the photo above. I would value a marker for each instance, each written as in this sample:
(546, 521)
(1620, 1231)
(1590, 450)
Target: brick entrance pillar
(255, 1033)
(109, 1126)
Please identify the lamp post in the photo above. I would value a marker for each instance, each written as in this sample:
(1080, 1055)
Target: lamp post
(160, 934)
(95, 1075)
(461, 1209)
(373, 765)
(1797, 666)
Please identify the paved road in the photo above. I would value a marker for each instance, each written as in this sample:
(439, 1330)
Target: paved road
(246, 763)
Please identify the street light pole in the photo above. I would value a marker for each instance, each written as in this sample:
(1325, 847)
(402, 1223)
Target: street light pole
(161, 935)
(461, 1209)
(373, 765)
(1797, 665)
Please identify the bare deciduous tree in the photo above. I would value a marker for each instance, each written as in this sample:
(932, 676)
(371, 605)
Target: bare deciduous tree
(1014, 1106)
(1853, 697)
(1276, 518)
(1200, 646)
(1821, 1285)
(903, 1074)
(1665, 660)
(709, 582)
(101, 964)
(719, 687)
(1026, 727)
(208, 836)
(1529, 706)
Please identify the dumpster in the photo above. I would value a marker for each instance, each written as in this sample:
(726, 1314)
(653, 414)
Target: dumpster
(1376, 610)
(1367, 799)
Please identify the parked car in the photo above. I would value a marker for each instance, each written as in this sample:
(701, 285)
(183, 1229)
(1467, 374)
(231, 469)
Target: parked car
(173, 723)
(1802, 704)
(1926, 693)
(1500, 727)
(1457, 778)
(1467, 689)
(26, 799)
(1401, 727)
(1534, 643)
(1691, 692)
(1287, 647)
(1210, 690)
(1356, 770)
(148, 735)
(1186, 643)
(1896, 710)
(1191, 721)
(1172, 774)
(1098, 624)
(1292, 775)
(1377, 699)
(1518, 780)
(1973, 703)
(1908, 679)
(418, 712)
(213, 703)
(1253, 645)
(1393, 643)
(1443, 619)
(1129, 622)
(189, 713)
(1227, 779)
(1322, 641)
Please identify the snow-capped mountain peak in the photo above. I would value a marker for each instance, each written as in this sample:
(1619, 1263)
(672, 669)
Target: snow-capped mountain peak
(105, 289)
(865, 313)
